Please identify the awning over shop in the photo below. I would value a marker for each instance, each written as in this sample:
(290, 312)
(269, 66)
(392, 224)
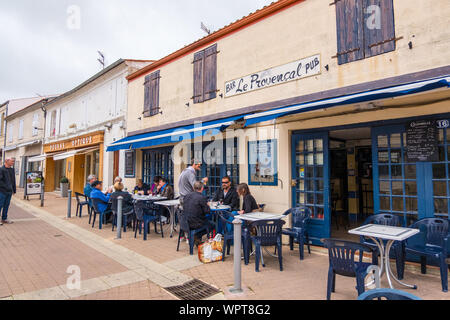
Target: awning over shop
(41, 157)
(29, 143)
(391, 92)
(71, 153)
(174, 135)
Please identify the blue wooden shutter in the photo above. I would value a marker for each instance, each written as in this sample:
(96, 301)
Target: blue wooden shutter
(210, 73)
(199, 60)
(379, 29)
(350, 31)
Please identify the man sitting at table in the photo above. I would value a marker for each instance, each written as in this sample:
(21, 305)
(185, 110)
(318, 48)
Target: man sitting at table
(103, 204)
(141, 188)
(196, 208)
(227, 195)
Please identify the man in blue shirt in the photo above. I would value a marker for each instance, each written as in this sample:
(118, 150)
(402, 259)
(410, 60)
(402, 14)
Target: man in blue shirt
(103, 205)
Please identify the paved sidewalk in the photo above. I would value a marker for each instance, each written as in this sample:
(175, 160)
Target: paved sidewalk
(145, 268)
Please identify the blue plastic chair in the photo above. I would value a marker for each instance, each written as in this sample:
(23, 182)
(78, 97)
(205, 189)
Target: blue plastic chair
(145, 214)
(82, 200)
(101, 215)
(298, 232)
(190, 233)
(431, 242)
(268, 233)
(342, 262)
(125, 216)
(387, 294)
(225, 221)
(398, 248)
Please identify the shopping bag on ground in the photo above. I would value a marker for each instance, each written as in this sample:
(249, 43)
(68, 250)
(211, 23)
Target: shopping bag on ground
(211, 250)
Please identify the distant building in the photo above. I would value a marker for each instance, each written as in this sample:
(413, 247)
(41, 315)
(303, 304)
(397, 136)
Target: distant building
(81, 121)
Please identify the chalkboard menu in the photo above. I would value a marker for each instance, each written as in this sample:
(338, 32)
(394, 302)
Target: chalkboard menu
(130, 164)
(421, 141)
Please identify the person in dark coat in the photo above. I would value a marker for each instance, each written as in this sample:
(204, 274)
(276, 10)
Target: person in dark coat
(127, 203)
(196, 208)
(141, 188)
(227, 195)
(7, 188)
(164, 189)
(249, 203)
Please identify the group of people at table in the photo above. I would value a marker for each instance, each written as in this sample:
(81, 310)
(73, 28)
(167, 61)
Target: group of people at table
(193, 202)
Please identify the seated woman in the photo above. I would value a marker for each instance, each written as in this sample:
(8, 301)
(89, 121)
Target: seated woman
(127, 203)
(141, 188)
(249, 204)
(153, 189)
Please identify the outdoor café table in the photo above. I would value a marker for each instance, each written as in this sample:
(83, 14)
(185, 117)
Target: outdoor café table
(260, 216)
(378, 233)
(139, 197)
(216, 209)
(172, 205)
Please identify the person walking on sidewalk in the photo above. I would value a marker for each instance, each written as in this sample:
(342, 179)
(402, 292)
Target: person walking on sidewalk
(7, 188)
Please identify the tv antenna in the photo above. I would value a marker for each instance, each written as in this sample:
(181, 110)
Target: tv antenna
(204, 28)
(101, 59)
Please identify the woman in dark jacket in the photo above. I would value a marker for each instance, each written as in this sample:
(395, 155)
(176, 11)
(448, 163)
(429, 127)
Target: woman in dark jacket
(127, 203)
(249, 204)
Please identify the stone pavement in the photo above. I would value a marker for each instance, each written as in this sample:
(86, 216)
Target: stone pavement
(42, 243)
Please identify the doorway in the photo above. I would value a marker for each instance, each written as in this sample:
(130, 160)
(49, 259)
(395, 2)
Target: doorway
(351, 180)
(60, 171)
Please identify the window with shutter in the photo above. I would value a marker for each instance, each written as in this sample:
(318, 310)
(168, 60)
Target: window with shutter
(379, 29)
(147, 101)
(151, 94)
(205, 74)
(210, 72)
(199, 59)
(154, 93)
(364, 28)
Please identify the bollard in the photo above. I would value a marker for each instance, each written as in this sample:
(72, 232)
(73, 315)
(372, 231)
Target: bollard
(119, 217)
(237, 224)
(69, 205)
(42, 194)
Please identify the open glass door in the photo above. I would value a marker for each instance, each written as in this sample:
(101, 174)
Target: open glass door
(310, 176)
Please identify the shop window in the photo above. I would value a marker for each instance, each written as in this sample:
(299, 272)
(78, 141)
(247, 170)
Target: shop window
(130, 164)
(441, 175)
(151, 92)
(157, 163)
(365, 28)
(205, 74)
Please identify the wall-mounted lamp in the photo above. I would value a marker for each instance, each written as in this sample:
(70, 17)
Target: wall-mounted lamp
(140, 118)
(221, 95)
(410, 45)
(327, 67)
(187, 104)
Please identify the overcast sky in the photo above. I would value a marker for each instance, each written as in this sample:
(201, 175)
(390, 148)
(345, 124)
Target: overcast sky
(50, 46)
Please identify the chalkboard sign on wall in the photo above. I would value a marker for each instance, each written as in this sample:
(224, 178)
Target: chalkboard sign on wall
(130, 164)
(421, 141)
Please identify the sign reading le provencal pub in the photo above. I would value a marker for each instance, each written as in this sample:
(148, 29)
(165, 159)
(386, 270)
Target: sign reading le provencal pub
(288, 72)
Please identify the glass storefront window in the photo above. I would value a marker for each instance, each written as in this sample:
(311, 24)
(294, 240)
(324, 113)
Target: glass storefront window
(382, 141)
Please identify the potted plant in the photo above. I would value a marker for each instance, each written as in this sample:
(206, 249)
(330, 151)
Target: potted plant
(64, 184)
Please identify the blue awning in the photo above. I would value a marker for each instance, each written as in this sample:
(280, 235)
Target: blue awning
(214, 127)
(391, 92)
(174, 135)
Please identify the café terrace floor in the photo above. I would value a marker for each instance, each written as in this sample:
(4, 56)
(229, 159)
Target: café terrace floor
(42, 243)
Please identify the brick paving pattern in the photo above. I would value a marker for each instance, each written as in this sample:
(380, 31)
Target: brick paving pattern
(300, 279)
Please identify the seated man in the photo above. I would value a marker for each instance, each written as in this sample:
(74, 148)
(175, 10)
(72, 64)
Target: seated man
(103, 205)
(141, 188)
(196, 208)
(164, 189)
(227, 195)
(88, 188)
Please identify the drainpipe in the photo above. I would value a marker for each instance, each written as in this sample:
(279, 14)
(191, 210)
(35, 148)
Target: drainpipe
(6, 129)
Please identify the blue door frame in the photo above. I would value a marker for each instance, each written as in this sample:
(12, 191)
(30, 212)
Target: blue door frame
(311, 171)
